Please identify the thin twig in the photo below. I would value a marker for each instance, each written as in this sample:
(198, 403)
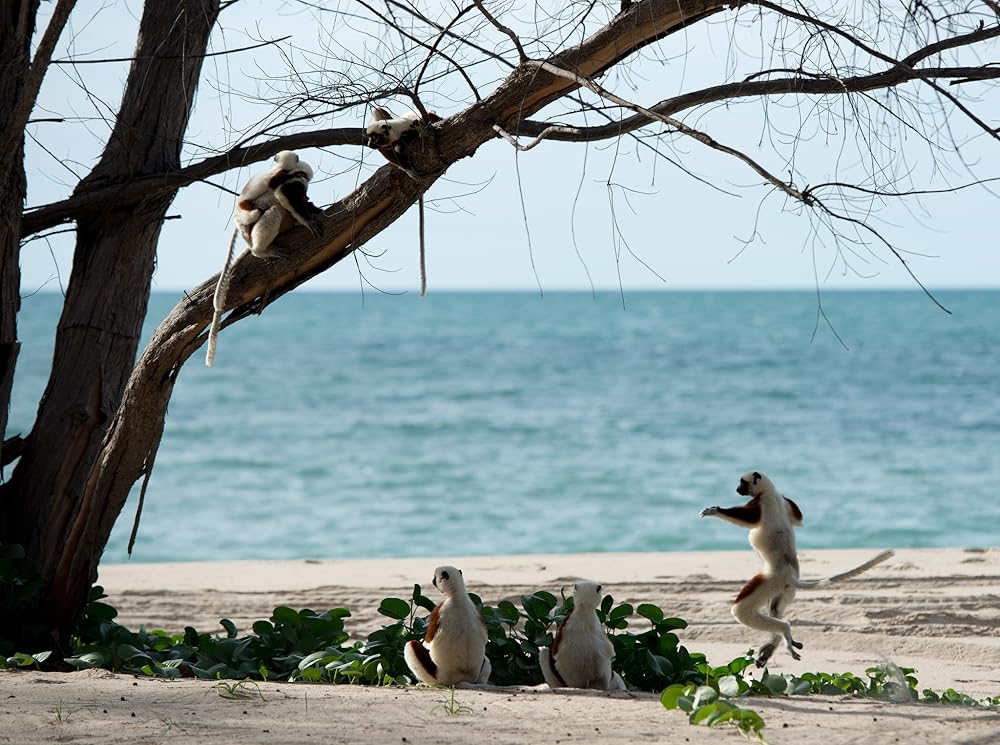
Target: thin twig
(680, 126)
(504, 29)
(552, 129)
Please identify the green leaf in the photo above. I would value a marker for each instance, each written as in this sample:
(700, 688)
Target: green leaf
(88, 660)
(704, 695)
(776, 684)
(799, 687)
(652, 612)
(394, 608)
(703, 712)
(23, 660)
(606, 604)
(313, 658)
(622, 611)
(671, 694)
(671, 623)
(129, 652)
(285, 615)
(100, 612)
(659, 665)
(730, 686)
(229, 626)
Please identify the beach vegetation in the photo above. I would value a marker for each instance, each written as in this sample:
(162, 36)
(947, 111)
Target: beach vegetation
(243, 690)
(450, 706)
(311, 647)
(714, 701)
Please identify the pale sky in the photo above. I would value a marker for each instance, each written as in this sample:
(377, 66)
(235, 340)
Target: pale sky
(676, 228)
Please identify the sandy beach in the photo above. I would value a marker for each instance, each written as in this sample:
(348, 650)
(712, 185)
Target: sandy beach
(936, 610)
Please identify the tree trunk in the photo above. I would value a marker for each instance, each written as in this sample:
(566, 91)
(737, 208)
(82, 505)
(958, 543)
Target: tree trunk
(17, 24)
(106, 299)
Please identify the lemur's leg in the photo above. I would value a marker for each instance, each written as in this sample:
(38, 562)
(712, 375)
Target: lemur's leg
(777, 607)
(759, 592)
(264, 231)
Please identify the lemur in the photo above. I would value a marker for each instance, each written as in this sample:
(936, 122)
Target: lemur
(581, 653)
(391, 136)
(271, 201)
(454, 647)
(772, 518)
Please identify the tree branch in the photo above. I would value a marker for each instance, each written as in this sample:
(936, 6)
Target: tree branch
(680, 126)
(36, 73)
(748, 89)
(47, 216)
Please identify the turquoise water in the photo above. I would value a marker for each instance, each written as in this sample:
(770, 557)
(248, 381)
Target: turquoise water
(479, 423)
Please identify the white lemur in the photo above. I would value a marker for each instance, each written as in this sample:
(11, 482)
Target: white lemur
(454, 647)
(270, 202)
(391, 136)
(581, 652)
(772, 518)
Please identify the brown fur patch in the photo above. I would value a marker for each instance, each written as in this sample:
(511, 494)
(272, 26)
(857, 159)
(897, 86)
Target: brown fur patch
(748, 513)
(278, 179)
(794, 509)
(424, 656)
(756, 581)
(558, 639)
(245, 204)
(432, 625)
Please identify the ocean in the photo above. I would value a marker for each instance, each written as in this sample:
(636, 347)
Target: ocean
(337, 426)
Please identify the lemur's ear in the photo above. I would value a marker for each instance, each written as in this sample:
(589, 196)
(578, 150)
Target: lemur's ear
(756, 477)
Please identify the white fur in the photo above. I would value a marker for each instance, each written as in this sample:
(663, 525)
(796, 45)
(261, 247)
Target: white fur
(458, 647)
(384, 129)
(259, 225)
(583, 651)
(773, 589)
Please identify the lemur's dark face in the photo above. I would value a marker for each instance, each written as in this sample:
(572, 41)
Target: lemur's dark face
(378, 134)
(747, 483)
(444, 575)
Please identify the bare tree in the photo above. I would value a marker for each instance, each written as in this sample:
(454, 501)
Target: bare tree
(883, 88)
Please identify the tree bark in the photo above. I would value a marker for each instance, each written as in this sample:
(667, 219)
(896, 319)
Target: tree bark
(106, 299)
(17, 24)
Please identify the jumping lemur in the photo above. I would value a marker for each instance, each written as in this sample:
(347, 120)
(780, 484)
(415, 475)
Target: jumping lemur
(772, 518)
(454, 647)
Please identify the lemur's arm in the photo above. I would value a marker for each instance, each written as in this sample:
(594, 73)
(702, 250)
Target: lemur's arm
(746, 516)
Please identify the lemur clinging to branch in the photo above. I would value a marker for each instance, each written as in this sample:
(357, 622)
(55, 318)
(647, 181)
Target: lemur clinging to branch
(392, 136)
(271, 201)
(772, 518)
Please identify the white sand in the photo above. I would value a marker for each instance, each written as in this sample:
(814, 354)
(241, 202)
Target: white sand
(935, 610)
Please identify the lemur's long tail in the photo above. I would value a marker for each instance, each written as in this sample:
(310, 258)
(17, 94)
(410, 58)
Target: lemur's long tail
(219, 301)
(807, 584)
